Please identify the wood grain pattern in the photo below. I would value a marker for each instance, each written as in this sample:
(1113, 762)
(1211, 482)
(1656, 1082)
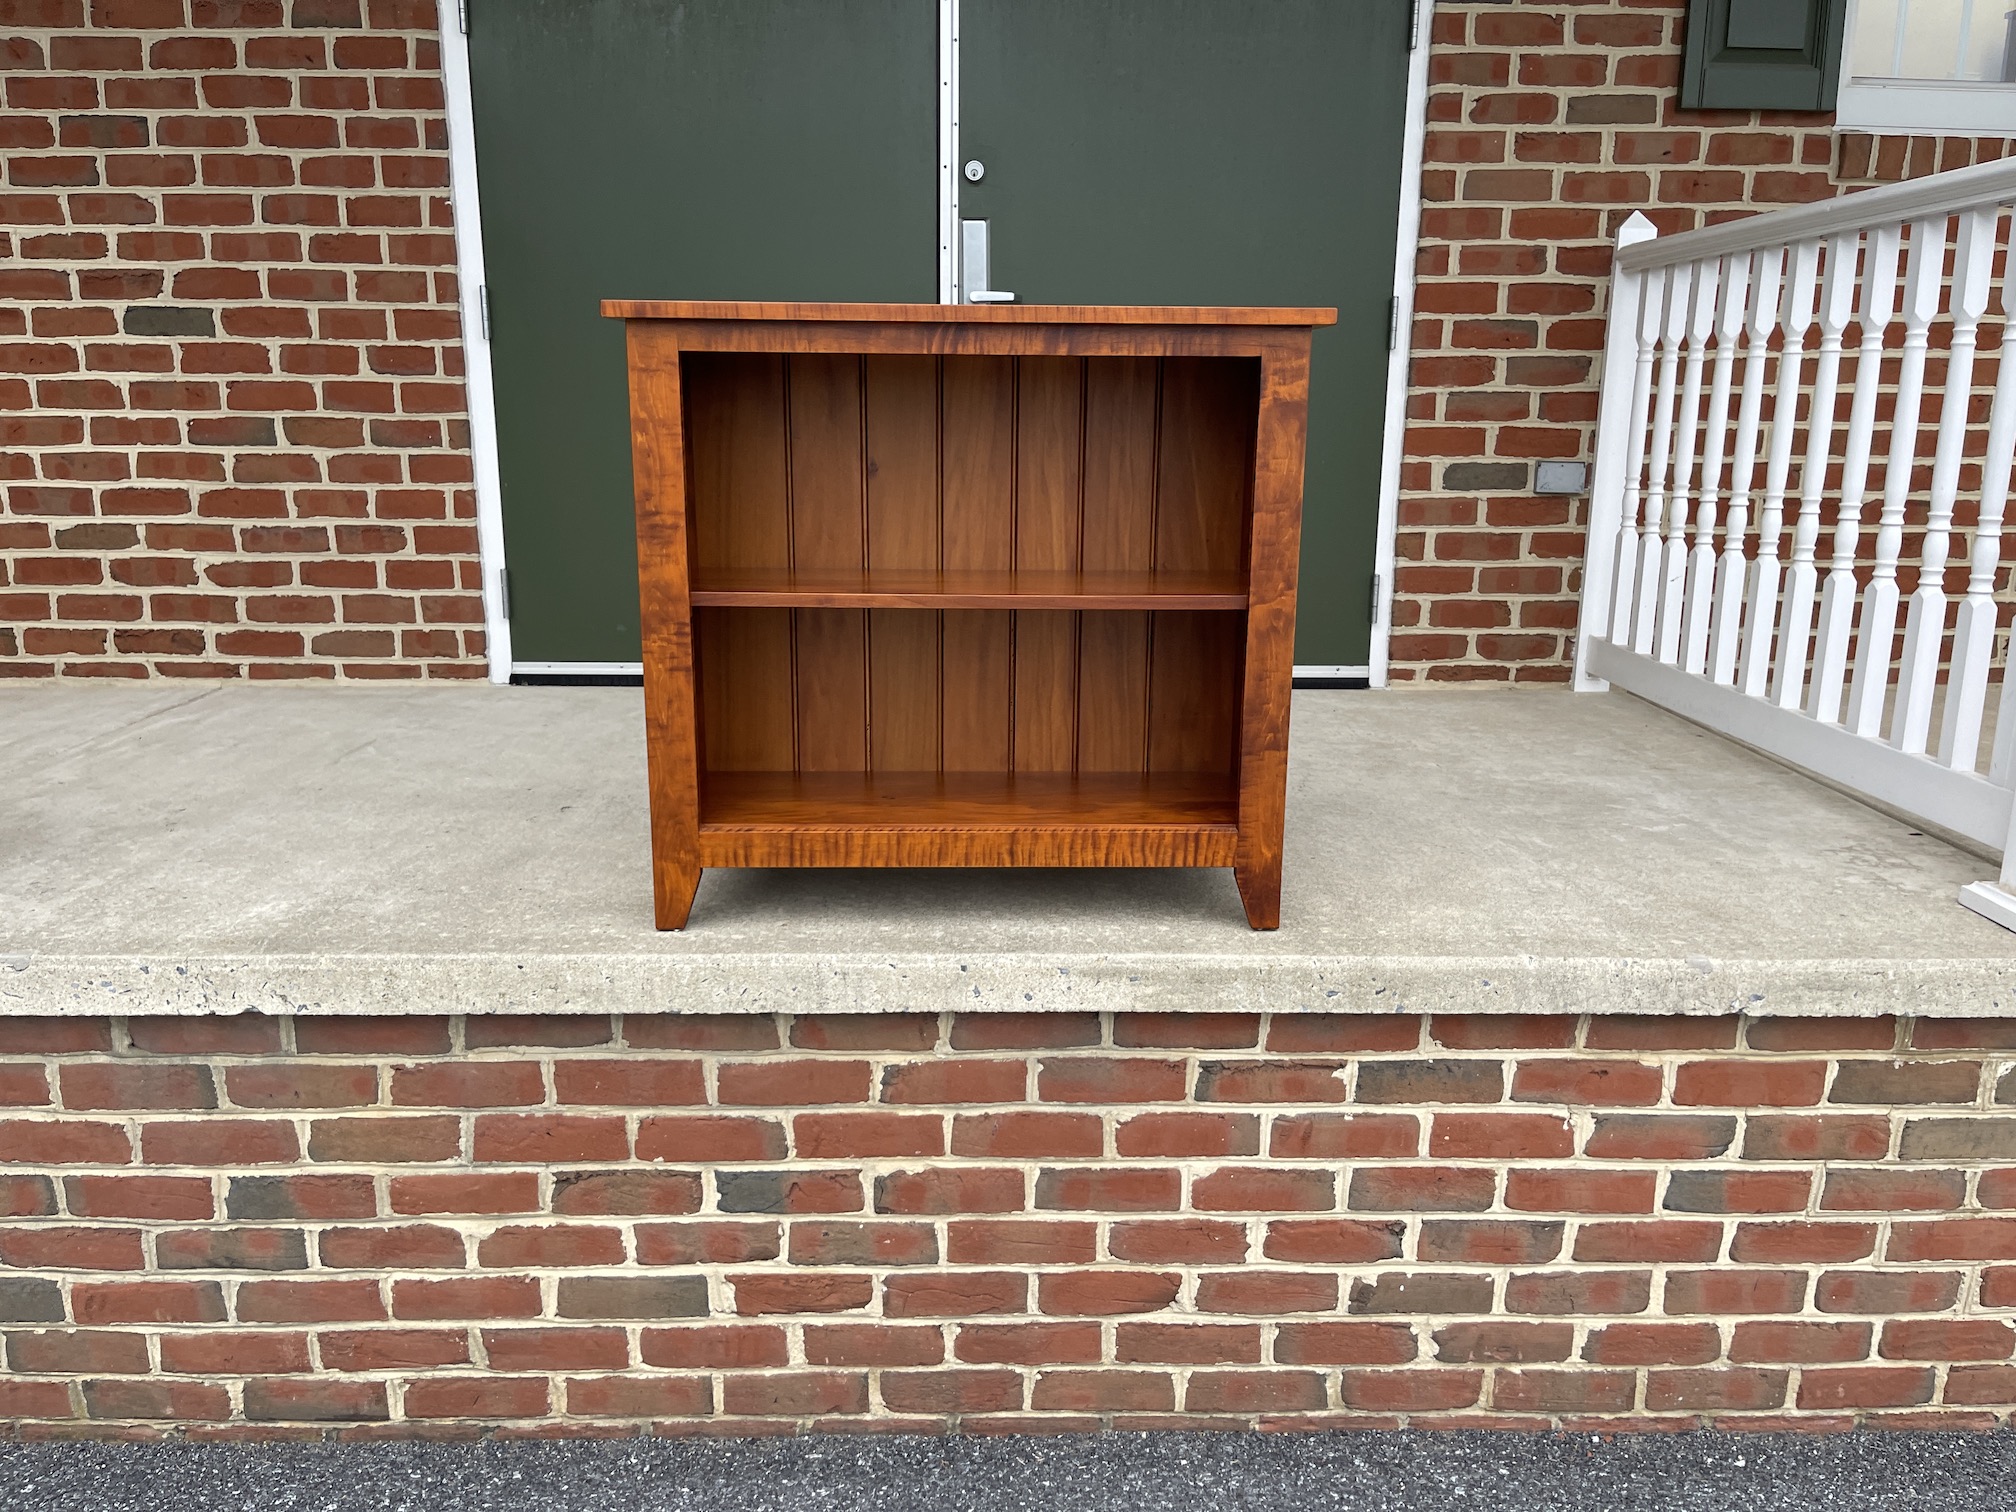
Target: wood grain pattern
(978, 679)
(746, 714)
(928, 819)
(900, 404)
(1274, 549)
(1117, 535)
(1193, 693)
(1032, 841)
(969, 592)
(671, 706)
(856, 338)
(1205, 463)
(735, 429)
(827, 471)
(829, 680)
(976, 408)
(1049, 424)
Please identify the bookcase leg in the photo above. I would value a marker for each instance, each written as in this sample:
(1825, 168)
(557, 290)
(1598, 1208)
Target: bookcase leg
(675, 887)
(1260, 891)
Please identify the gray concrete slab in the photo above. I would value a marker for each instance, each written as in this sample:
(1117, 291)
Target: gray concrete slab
(168, 848)
(1171, 1472)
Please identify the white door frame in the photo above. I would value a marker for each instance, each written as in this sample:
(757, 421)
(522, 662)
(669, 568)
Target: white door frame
(463, 197)
(471, 293)
(1406, 250)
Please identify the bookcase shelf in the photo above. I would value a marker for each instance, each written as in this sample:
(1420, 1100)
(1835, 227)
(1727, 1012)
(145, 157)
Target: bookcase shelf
(934, 587)
(929, 588)
(987, 818)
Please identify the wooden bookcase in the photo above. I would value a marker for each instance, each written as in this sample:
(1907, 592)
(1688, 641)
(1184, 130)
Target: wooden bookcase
(959, 585)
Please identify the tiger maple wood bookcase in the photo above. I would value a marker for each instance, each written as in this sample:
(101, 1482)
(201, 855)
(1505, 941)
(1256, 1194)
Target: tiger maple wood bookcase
(967, 585)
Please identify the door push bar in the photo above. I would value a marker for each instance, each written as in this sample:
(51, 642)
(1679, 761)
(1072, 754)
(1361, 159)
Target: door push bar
(973, 266)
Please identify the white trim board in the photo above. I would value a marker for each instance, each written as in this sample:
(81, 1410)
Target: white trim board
(1406, 250)
(948, 151)
(1962, 802)
(1924, 107)
(1991, 902)
(1328, 674)
(482, 393)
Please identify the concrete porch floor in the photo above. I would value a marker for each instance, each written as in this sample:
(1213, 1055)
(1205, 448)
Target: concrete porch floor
(179, 849)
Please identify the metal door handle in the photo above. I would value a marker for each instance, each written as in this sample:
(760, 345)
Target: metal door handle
(973, 265)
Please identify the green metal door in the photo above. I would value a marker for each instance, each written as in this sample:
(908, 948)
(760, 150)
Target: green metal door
(676, 149)
(1135, 152)
(1211, 152)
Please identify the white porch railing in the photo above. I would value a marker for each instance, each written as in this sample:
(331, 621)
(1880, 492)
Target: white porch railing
(1735, 573)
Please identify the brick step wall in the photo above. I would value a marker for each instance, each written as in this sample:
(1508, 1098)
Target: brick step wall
(425, 1226)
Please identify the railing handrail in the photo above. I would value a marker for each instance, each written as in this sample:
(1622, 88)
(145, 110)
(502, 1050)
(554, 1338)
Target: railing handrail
(1979, 187)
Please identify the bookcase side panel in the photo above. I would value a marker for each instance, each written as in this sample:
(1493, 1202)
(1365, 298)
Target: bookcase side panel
(1282, 419)
(659, 473)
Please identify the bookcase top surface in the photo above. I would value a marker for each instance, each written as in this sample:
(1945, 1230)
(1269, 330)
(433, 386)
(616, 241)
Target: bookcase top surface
(971, 314)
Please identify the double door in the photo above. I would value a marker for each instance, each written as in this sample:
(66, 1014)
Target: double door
(1103, 151)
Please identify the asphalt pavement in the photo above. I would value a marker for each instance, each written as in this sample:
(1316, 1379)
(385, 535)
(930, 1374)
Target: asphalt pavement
(1504, 1472)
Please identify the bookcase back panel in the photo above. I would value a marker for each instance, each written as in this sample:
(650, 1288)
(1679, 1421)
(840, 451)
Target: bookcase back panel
(823, 461)
(920, 690)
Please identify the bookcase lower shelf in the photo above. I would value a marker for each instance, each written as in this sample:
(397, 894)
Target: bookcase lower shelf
(966, 819)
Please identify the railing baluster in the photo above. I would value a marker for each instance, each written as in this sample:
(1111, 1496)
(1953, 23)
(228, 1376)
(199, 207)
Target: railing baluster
(1876, 629)
(1624, 585)
(1837, 595)
(1673, 321)
(1800, 265)
(2002, 762)
(1974, 626)
(1700, 591)
(1733, 572)
(1795, 615)
(1673, 569)
(1925, 624)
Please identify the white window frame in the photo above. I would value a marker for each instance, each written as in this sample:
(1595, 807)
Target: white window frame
(1925, 107)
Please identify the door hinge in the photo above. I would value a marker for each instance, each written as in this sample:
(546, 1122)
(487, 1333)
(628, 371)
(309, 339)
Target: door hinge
(1375, 599)
(462, 11)
(483, 309)
(1392, 322)
(1413, 24)
(504, 592)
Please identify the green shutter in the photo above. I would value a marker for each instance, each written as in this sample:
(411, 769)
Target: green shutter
(1762, 54)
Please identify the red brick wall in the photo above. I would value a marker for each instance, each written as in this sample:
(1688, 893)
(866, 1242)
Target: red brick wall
(260, 1226)
(231, 433)
(1549, 123)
